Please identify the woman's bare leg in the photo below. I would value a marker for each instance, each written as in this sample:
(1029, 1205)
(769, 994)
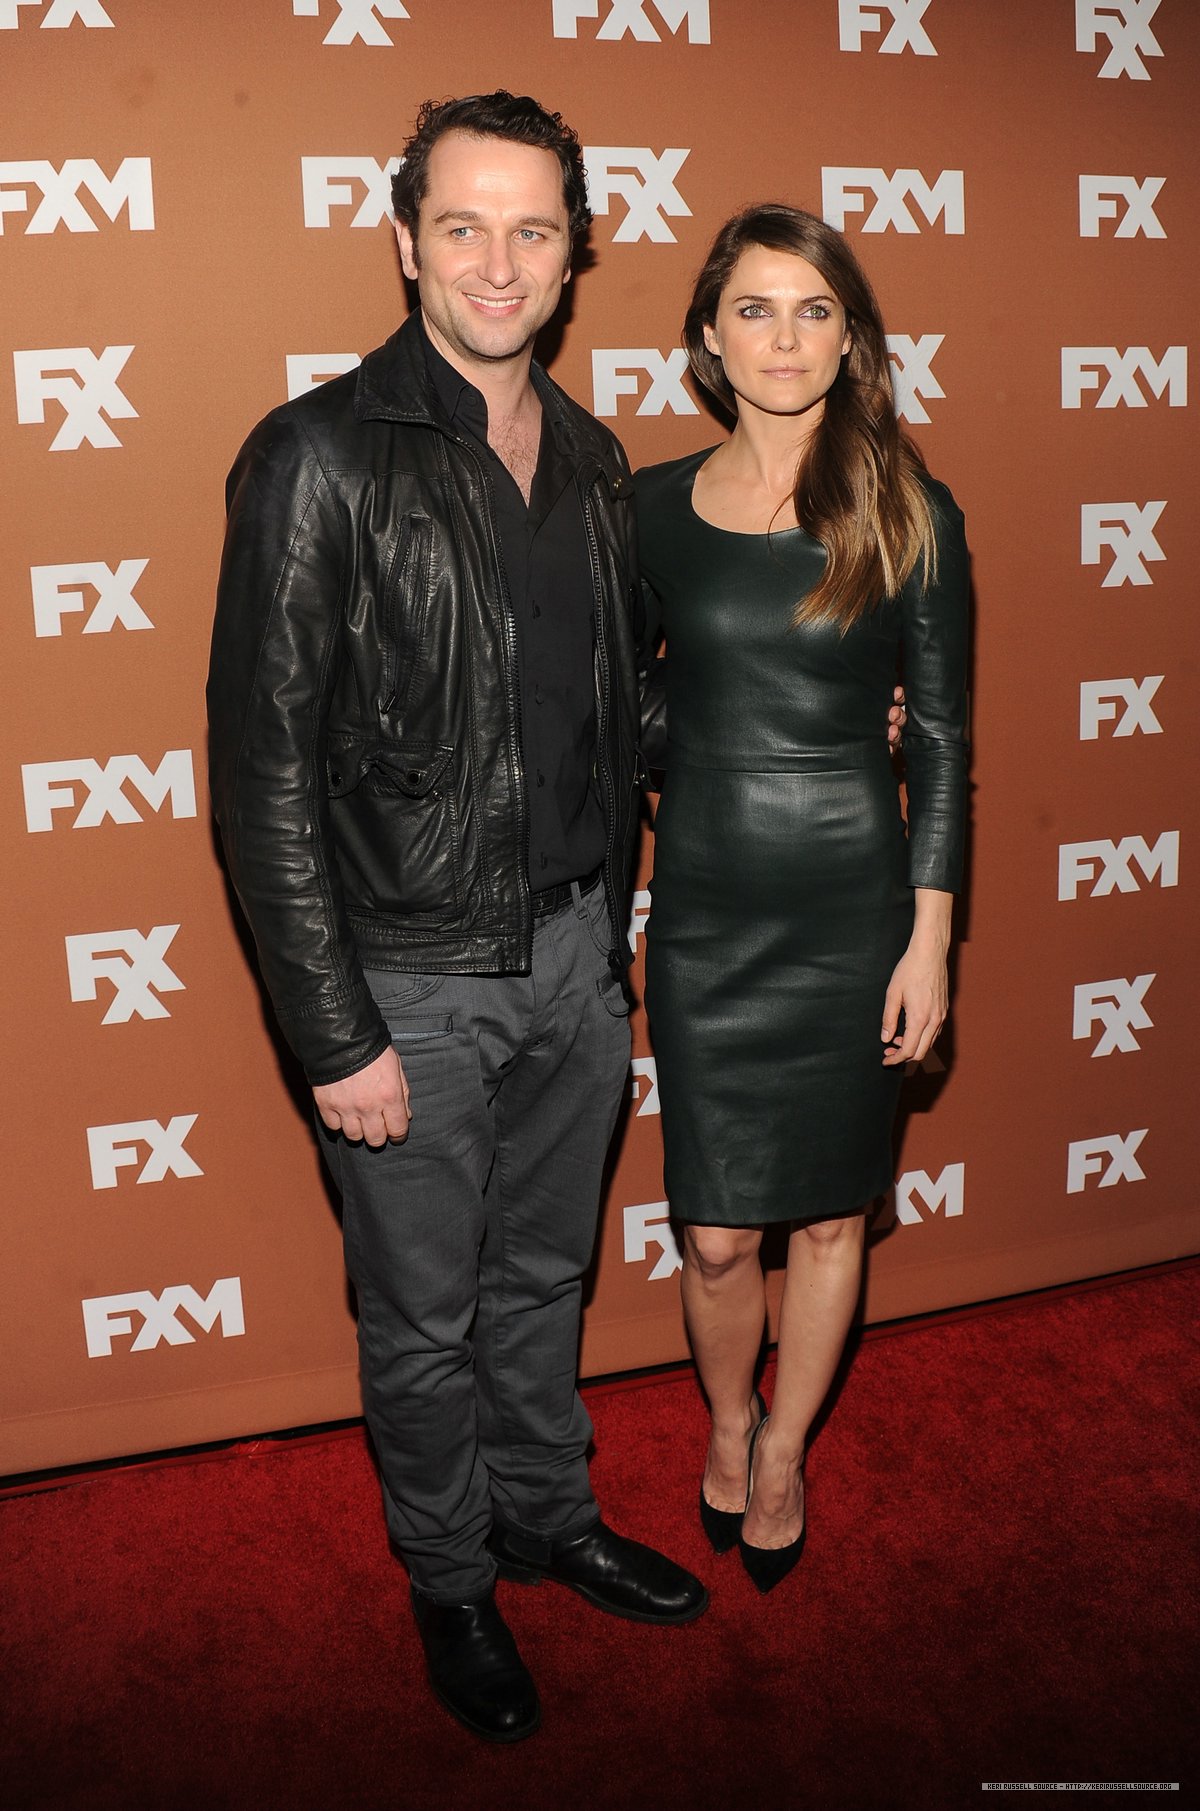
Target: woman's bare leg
(820, 1290)
(725, 1306)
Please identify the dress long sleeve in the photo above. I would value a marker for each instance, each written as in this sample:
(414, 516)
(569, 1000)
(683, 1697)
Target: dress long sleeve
(934, 665)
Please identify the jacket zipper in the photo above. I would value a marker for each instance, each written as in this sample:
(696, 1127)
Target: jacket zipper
(515, 739)
(603, 691)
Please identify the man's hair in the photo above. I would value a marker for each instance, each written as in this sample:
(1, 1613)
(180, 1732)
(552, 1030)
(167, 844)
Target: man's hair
(515, 117)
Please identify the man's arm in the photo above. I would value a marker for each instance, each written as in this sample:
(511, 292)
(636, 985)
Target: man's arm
(274, 664)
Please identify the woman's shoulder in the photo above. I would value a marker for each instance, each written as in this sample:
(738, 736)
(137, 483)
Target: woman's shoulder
(942, 505)
(673, 477)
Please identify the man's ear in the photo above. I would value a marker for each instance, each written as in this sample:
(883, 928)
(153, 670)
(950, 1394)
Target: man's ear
(409, 263)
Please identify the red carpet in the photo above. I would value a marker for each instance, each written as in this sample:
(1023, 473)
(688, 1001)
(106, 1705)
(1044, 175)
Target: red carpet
(1000, 1584)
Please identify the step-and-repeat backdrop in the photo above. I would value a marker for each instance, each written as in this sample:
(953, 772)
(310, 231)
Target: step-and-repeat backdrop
(194, 225)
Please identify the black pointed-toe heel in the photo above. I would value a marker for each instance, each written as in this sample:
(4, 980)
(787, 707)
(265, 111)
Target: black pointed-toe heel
(724, 1526)
(767, 1566)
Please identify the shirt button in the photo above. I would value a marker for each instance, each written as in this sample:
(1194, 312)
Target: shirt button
(536, 609)
(541, 779)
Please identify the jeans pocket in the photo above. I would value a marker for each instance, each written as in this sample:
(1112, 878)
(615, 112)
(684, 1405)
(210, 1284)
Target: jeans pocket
(397, 988)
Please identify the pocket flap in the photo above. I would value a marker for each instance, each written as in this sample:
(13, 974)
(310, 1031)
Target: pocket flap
(413, 768)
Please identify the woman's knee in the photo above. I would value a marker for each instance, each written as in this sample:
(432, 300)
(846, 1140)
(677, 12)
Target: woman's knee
(834, 1235)
(716, 1251)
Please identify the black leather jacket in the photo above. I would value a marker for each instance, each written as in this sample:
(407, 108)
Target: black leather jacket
(365, 745)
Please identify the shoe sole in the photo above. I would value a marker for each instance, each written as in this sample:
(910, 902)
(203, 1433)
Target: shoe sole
(477, 1729)
(520, 1575)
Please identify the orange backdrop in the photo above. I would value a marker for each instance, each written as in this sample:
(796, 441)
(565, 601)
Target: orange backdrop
(193, 213)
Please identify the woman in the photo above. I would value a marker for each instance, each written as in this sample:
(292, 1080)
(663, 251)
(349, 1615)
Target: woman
(796, 949)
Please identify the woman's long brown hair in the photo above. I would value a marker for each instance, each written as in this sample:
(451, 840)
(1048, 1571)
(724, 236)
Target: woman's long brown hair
(857, 488)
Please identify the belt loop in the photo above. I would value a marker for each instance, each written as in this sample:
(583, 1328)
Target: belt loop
(577, 900)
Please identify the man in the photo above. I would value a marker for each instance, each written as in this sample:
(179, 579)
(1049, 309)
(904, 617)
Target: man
(424, 707)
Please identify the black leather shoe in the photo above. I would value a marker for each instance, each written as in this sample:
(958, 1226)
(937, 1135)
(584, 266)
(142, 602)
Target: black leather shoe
(615, 1574)
(475, 1669)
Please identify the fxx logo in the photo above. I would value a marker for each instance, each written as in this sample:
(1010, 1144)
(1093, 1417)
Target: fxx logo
(50, 787)
(912, 373)
(845, 189)
(620, 371)
(83, 382)
(1083, 367)
(1100, 197)
(1127, 26)
(1101, 699)
(1118, 1007)
(118, 1147)
(60, 591)
(629, 18)
(645, 181)
(109, 1317)
(1109, 866)
(356, 20)
(1112, 1158)
(905, 31)
(646, 1226)
(1127, 530)
(944, 1191)
(135, 965)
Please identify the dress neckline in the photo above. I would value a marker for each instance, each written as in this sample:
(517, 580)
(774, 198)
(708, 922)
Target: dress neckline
(742, 534)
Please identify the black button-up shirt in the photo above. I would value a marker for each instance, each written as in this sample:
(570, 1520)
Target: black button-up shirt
(547, 569)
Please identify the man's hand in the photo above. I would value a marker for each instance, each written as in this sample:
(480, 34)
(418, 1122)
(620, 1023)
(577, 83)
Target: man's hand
(897, 718)
(370, 1105)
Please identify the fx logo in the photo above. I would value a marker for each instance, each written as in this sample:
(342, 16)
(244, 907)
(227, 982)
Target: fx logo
(356, 19)
(845, 187)
(57, 593)
(615, 372)
(105, 1317)
(645, 1226)
(111, 1148)
(50, 787)
(134, 964)
(1114, 1155)
(639, 912)
(1117, 1007)
(1100, 698)
(912, 373)
(1165, 376)
(58, 15)
(906, 31)
(60, 204)
(629, 17)
(645, 181)
(84, 382)
(645, 1069)
(1127, 530)
(305, 370)
(944, 1191)
(1126, 25)
(327, 182)
(1098, 198)
(1109, 864)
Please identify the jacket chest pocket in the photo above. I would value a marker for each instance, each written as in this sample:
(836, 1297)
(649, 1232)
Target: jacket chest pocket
(406, 611)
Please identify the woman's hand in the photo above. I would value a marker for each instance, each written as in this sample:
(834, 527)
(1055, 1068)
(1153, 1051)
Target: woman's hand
(919, 985)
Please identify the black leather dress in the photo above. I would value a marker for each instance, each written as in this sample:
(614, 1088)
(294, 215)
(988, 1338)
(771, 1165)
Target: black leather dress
(783, 875)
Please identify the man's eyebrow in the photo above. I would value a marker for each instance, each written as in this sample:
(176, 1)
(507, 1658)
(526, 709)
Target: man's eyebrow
(472, 217)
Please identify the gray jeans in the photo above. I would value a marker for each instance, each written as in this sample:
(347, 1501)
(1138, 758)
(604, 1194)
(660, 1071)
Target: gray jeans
(467, 1245)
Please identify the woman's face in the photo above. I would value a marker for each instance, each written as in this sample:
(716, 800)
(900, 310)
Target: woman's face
(780, 333)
